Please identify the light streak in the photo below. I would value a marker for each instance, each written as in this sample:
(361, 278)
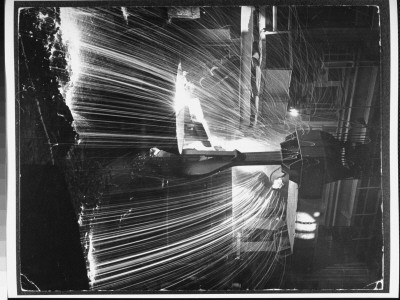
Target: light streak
(71, 37)
(91, 260)
(125, 14)
(126, 86)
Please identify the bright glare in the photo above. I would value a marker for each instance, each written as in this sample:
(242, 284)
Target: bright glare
(305, 236)
(316, 214)
(181, 93)
(304, 217)
(183, 98)
(71, 37)
(293, 112)
(306, 227)
(196, 112)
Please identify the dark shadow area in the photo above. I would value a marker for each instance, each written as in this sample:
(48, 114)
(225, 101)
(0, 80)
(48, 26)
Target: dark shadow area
(50, 251)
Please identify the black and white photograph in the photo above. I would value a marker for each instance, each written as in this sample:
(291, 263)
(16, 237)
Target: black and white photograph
(193, 148)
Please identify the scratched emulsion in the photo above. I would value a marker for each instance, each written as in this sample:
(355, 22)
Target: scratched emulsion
(150, 231)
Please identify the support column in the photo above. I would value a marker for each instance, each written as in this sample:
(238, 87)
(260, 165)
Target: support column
(245, 64)
(262, 24)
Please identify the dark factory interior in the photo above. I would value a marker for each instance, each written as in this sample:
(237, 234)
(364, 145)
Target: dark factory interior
(270, 178)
